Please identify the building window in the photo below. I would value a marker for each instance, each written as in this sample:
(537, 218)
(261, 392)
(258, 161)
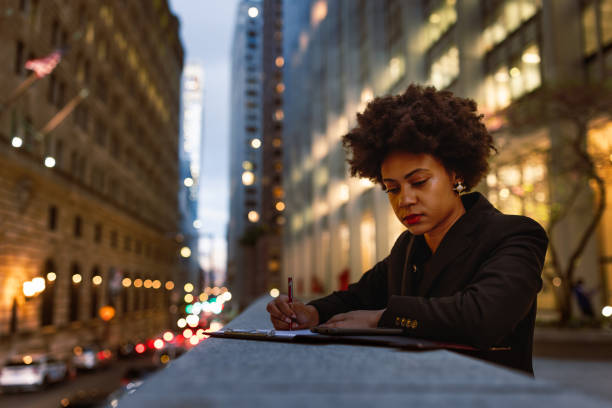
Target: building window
(393, 25)
(506, 17)
(95, 292)
(78, 225)
(59, 153)
(439, 22)
(74, 292)
(510, 81)
(113, 239)
(521, 187)
(97, 233)
(19, 52)
(48, 295)
(589, 30)
(55, 34)
(52, 218)
(127, 244)
(445, 69)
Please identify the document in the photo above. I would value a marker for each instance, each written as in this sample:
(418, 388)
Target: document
(288, 334)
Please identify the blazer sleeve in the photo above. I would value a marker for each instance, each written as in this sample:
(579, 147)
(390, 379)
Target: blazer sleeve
(489, 308)
(369, 293)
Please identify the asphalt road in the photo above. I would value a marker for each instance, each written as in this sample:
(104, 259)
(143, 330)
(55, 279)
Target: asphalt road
(102, 379)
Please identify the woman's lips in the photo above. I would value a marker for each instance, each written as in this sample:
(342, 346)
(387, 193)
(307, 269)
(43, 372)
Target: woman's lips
(413, 219)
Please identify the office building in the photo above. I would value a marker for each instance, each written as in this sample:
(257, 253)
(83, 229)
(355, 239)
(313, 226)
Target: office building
(341, 54)
(256, 193)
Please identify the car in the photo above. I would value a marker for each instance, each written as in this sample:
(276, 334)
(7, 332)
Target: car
(92, 398)
(33, 371)
(137, 373)
(91, 357)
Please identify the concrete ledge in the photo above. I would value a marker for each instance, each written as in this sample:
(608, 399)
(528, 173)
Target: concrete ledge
(237, 373)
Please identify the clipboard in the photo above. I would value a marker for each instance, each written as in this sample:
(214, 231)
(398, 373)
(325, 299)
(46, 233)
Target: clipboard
(371, 337)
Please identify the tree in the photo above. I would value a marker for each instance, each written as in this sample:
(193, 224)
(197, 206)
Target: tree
(573, 107)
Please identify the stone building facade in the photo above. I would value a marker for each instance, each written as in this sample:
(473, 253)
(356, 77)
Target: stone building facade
(91, 206)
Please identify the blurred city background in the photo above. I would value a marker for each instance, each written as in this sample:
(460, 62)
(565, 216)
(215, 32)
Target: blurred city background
(163, 163)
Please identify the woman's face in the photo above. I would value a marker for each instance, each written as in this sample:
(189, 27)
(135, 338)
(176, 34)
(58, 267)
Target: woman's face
(420, 191)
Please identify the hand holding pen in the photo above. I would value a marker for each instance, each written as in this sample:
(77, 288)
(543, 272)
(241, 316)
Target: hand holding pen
(286, 313)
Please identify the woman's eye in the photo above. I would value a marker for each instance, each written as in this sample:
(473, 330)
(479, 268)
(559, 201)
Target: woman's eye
(392, 190)
(419, 183)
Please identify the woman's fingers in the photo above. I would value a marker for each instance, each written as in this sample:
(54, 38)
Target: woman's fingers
(279, 324)
(285, 307)
(280, 310)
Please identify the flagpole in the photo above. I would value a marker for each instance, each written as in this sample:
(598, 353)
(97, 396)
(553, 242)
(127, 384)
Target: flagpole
(62, 114)
(17, 92)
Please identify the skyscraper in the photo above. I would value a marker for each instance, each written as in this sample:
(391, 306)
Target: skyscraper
(341, 54)
(256, 191)
(192, 99)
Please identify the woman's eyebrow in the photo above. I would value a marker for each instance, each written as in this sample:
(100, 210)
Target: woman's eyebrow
(406, 176)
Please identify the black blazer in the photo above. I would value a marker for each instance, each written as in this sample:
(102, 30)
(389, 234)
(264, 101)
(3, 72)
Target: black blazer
(479, 287)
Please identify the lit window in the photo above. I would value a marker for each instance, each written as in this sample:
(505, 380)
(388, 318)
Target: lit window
(445, 69)
(318, 12)
(253, 216)
(439, 21)
(253, 12)
(510, 15)
(248, 178)
(280, 61)
(589, 29)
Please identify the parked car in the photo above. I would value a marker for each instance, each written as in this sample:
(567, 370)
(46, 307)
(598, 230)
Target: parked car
(93, 398)
(137, 373)
(33, 371)
(91, 357)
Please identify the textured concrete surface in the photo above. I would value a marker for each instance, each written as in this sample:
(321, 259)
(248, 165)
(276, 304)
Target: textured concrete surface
(227, 372)
(593, 377)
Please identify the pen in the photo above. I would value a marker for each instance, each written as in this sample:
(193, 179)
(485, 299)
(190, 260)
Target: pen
(290, 293)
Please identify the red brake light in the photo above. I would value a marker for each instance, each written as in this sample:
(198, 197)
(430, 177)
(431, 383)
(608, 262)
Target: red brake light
(140, 348)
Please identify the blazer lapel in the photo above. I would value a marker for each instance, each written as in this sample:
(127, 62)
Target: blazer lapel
(455, 242)
(445, 254)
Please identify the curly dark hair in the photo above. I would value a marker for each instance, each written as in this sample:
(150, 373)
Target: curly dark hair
(421, 120)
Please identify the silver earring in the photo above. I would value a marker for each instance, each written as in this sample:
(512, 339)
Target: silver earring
(459, 187)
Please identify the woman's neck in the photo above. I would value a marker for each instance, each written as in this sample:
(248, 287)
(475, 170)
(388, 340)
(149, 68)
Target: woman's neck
(435, 236)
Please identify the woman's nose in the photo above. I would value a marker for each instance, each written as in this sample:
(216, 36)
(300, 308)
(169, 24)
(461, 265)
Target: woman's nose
(407, 197)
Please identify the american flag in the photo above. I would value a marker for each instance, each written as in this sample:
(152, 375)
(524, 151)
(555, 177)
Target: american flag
(44, 66)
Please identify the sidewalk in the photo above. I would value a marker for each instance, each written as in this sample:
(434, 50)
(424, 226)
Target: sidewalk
(587, 344)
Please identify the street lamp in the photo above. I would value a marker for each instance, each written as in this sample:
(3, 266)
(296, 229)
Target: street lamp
(33, 287)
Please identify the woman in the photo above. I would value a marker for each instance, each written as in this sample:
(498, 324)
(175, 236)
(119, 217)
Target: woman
(463, 271)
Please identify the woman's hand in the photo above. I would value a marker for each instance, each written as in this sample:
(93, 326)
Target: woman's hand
(299, 315)
(357, 319)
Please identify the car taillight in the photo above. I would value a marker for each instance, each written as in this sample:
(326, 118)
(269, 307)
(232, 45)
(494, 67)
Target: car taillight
(101, 355)
(140, 348)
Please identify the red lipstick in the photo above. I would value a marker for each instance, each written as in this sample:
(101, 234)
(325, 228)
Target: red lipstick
(413, 219)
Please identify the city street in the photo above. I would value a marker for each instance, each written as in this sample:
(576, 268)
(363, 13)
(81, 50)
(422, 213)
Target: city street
(103, 379)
